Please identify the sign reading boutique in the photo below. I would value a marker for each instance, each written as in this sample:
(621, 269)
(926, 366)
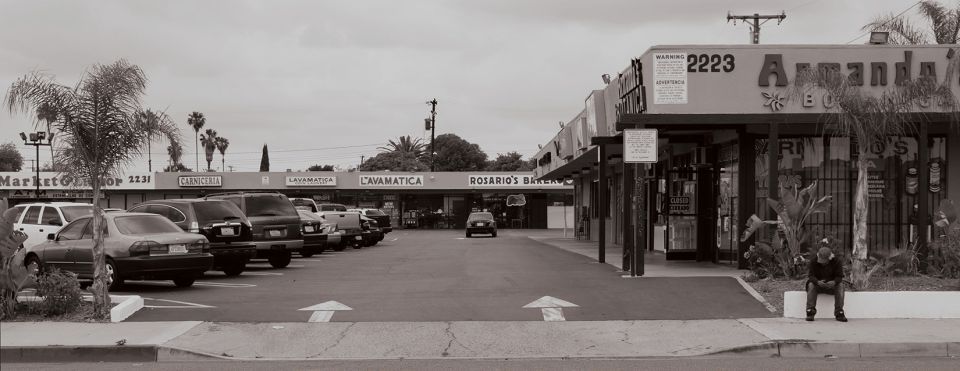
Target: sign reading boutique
(510, 180)
(391, 180)
(311, 181)
(54, 180)
(200, 181)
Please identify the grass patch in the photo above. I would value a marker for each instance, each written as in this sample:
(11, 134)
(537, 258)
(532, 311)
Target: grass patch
(30, 311)
(772, 289)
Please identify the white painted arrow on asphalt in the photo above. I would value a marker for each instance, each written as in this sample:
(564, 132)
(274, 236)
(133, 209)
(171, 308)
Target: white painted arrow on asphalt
(551, 307)
(324, 311)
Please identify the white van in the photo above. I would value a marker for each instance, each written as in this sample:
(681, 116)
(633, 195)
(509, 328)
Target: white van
(37, 220)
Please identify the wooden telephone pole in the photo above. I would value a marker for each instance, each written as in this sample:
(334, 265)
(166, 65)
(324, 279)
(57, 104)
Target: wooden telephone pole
(754, 22)
(433, 127)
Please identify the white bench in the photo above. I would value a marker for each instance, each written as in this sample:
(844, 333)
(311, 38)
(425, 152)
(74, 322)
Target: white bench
(876, 304)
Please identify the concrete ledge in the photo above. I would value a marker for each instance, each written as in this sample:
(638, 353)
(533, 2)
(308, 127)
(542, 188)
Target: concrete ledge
(802, 349)
(124, 306)
(873, 304)
(58, 354)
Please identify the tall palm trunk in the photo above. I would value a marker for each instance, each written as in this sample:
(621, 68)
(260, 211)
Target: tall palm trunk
(223, 162)
(197, 149)
(859, 269)
(50, 135)
(101, 296)
(149, 158)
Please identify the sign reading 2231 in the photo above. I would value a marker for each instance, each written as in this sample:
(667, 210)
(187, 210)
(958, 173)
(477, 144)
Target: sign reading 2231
(710, 63)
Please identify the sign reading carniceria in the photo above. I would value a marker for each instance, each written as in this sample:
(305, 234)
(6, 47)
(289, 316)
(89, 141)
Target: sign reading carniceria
(391, 180)
(308, 181)
(509, 180)
(200, 181)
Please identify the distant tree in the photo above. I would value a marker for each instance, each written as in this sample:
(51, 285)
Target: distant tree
(456, 154)
(177, 168)
(944, 25)
(196, 121)
(157, 125)
(10, 157)
(265, 160)
(393, 161)
(48, 113)
(175, 150)
(209, 141)
(222, 145)
(407, 146)
(510, 161)
(321, 168)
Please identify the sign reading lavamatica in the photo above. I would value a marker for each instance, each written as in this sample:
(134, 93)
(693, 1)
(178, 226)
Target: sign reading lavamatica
(391, 180)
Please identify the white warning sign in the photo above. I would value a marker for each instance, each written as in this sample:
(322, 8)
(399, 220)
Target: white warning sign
(670, 78)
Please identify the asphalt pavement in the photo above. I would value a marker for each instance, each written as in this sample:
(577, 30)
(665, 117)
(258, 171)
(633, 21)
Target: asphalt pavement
(438, 275)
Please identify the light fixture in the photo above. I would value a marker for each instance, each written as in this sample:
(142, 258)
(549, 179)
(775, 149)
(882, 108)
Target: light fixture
(606, 78)
(23, 136)
(879, 37)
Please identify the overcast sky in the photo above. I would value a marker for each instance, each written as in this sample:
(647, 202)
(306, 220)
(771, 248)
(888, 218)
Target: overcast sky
(301, 75)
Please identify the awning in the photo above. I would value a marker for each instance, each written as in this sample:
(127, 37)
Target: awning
(589, 160)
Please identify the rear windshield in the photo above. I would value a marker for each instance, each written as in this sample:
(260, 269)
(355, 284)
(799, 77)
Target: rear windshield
(145, 224)
(304, 205)
(481, 216)
(216, 211)
(375, 212)
(70, 213)
(310, 216)
(332, 207)
(270, 205)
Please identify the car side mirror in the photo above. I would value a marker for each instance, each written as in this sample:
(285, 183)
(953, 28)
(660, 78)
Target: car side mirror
(51, 237)
(55, 221)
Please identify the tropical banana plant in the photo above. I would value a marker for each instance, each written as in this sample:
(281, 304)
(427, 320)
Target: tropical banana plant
(794, 209)
(14, 276)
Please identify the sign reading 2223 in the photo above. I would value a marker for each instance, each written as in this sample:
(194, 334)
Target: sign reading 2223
(710, 63)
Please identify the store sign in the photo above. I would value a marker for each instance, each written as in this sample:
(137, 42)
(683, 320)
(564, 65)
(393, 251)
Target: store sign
(49, 194)
(311, 181)
(54, 180)
(510, 181)
(680, 204)
(200, 181)
(391, 180)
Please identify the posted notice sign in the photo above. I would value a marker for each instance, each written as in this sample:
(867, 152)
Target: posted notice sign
(670, 78)
(640, 146)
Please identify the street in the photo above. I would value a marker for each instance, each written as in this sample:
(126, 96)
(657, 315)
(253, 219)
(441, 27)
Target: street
(438, 275)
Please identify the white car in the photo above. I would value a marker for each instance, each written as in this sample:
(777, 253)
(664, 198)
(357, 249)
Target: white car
(37, 220)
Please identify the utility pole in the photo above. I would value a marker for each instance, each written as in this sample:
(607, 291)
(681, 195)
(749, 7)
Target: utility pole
(433, 127)
(231, 168)
(361, 163)
(754, 22)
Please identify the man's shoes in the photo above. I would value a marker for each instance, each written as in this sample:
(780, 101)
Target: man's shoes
(840, 316)
(810, 314)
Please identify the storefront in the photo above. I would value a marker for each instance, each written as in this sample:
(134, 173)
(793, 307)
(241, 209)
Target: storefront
(414, 200)
(717, 109)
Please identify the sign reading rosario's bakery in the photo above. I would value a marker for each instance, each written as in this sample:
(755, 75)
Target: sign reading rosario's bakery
(200, 181)
(739, 79)
(391, 180)
(53, 180)
(513, 181)
(308, 181)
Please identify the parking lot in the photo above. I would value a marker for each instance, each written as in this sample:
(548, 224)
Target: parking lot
(438, 275)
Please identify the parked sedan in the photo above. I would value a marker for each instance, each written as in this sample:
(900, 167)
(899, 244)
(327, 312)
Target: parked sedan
(136, 245)
(317, 234)
(481, 222)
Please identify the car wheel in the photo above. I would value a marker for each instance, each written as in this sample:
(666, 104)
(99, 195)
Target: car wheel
(234, 269)
(494, 234)
(32, 259)
(468, 234)
(184, 281)
(340, 247)
(114, 276)
(359, 245)
(280, 259)
(306, 253)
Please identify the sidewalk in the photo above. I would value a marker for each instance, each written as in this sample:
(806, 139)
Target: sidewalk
(179, 341)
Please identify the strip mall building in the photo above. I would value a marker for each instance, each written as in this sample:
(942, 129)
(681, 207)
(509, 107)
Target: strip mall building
(414, 200)
(716, 110)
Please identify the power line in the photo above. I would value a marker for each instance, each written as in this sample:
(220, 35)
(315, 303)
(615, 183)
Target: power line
(888, 21)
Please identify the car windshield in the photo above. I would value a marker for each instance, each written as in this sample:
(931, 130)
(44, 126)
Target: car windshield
(333, 207)
(480, 216)
(302, 204)
(145, 224)
(375, 212)
(70, 213)
(216, 211)
(269, 205)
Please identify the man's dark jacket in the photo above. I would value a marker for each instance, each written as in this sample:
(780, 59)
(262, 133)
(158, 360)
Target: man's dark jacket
(831, 271)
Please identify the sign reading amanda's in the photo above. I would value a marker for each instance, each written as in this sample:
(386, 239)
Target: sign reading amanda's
(311, 181)
(53, 180)
(510, 180)
(391, 180)
(200, 181)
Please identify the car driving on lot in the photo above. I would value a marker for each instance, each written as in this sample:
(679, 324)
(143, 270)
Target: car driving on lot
(37, 220)
(221, 222)
(481, 222)
(136, 245)
(274, 221)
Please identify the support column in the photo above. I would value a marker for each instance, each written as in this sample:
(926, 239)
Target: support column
(604, 203)
(746, 193)
(630, 209)
(923, 207)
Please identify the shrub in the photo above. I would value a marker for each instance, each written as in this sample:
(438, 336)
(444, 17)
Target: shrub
(944, 254)
(60, 292)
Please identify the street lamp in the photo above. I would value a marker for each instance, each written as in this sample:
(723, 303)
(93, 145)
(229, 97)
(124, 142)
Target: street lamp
(37, 139)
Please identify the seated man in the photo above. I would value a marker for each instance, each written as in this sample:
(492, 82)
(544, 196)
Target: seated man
(825, 276)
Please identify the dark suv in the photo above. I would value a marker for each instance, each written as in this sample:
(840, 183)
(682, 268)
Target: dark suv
(275, 223)
(221, 222)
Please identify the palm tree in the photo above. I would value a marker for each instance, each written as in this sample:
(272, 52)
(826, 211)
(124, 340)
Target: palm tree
(157, 125)
(175, 150)
(47, 114)
(209, 141)
(222, 144)
(196, 121)
(99, 133)
(407, 147)
(944, 22)
(871, 119)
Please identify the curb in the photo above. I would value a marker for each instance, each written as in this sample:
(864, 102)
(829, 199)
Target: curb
(67, 354)
(808, 349)
(123, 307)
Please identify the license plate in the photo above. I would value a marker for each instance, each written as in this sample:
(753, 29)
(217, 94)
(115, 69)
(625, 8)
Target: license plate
(226, 231)
(274, 233)
(308, 229)
(358, 238)
(178, 249)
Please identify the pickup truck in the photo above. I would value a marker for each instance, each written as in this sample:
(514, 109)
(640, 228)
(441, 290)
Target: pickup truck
(348, 223)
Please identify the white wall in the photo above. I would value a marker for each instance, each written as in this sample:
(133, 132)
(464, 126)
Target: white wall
(555, 217)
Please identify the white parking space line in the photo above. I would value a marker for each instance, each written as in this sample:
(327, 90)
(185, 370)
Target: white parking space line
(261, 274)
(223, 284)
(184, 304)
(309, 260)
(267, 266)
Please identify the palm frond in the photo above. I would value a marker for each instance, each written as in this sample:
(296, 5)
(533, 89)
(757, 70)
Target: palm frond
(902, 32)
